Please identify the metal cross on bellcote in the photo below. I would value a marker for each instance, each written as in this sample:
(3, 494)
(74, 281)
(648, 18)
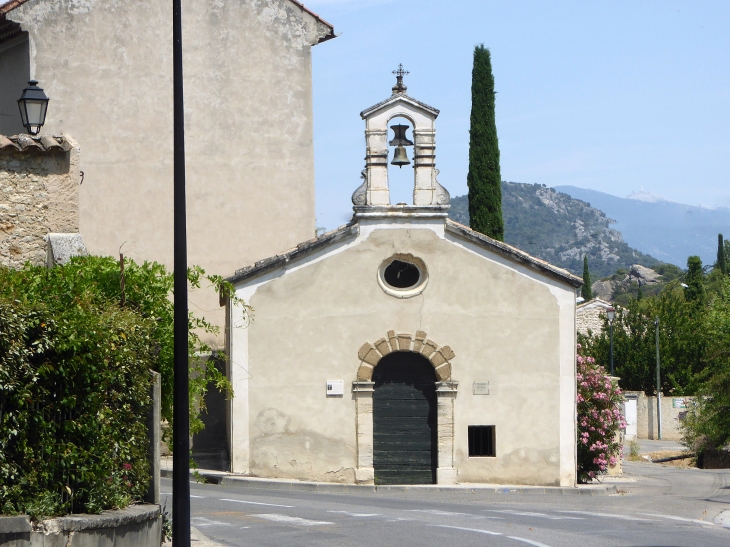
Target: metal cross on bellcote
(400, 86)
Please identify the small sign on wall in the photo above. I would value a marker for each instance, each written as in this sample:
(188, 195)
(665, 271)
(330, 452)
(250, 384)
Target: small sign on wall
(679, 403)
(481, 388)
(335, 388)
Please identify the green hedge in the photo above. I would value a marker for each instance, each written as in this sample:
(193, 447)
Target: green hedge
(74, 393)
(76, 346)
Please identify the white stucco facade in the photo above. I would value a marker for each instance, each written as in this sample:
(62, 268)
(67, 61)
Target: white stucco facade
(496, 328)
(506, 323)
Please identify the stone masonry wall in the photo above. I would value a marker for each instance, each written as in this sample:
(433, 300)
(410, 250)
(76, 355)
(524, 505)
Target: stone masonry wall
(39, 180)
(590, 319)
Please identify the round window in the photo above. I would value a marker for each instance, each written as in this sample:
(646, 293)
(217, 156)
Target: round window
(403, 275)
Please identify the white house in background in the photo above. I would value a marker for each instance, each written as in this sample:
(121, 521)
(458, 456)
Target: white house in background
(404, 347)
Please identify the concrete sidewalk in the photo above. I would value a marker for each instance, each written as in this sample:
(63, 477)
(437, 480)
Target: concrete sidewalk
(244, 481)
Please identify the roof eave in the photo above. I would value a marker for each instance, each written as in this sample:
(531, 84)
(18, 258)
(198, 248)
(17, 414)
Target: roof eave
(328, 36)
(514, 254)
(402, 96)
(300, 251)
(11, 5)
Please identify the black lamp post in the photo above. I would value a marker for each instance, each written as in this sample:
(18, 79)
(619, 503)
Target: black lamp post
(33, 105)
(181, 416)
(611, 314)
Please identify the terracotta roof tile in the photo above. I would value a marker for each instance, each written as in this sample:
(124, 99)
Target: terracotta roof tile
(42, 143)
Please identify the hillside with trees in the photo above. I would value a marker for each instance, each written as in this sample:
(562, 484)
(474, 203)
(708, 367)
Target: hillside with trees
(555, 227)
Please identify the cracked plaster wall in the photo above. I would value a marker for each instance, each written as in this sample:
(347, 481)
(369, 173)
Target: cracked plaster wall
(107, 67)
(504, 327)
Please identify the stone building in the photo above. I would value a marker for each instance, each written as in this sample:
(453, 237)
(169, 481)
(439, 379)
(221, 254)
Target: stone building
(404, 347)
(591, 314)
(39, 182)
(107, 67)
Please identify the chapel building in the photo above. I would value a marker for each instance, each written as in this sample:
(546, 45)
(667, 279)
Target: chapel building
(404, 348)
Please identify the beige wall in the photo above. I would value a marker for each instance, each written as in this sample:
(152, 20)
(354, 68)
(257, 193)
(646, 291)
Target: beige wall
(506, 324)
(38, 195)
(107, 67)
(14, 76)
(646, 417)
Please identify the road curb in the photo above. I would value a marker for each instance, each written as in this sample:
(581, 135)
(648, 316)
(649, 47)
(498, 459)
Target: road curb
(227, 479)
(723, 519)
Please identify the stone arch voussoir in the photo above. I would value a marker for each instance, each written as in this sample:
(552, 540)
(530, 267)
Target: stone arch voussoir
(370, 354)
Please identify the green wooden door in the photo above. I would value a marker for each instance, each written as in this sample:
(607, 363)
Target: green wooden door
(404, 420)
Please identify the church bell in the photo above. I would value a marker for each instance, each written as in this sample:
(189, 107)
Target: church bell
(400, 142)
(400, 158)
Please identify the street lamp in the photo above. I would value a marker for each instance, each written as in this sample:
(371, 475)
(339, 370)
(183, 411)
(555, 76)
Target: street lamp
(611, 314)
(181, 416)
(33, 105)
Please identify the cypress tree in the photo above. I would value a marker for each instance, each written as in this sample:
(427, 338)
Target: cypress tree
(585, 291)
(694, 279)
(721, 263)
(484, 179)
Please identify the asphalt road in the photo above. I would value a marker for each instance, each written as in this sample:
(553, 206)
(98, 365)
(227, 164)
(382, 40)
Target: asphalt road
(657, 507)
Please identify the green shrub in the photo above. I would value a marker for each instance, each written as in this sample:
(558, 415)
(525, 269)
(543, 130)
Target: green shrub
(75, 356)
(74, 393)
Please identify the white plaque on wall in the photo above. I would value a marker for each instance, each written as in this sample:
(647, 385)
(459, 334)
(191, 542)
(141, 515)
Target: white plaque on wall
(335, 388)
(481, 388)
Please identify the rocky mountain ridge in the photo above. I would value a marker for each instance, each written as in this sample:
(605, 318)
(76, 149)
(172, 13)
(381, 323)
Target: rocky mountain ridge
(555, 227)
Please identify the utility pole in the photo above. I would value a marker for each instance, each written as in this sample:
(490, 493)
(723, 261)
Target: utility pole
(181, 416)
(658, 383)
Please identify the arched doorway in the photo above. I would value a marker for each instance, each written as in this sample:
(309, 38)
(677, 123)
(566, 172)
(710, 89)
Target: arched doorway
(405, 442)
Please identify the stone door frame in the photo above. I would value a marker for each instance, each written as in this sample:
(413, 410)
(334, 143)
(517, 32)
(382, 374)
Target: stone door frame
(363, 388)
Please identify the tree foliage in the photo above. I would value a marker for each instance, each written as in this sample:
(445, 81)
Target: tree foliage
(682, 350)
(694, 279)
(707, 424)
(74, 393)
(484, 179)
(74, 379)
(721, 263)
(585, 290)
(147, 289)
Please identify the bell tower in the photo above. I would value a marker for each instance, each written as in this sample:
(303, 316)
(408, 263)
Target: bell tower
(374, 192)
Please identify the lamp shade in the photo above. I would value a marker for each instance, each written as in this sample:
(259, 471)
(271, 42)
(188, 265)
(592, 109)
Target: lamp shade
(611, 313)
(33, 104)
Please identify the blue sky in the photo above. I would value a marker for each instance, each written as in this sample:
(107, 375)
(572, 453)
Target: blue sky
(607, 96)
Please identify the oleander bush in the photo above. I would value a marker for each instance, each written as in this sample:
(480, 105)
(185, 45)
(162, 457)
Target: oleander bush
(599, 419)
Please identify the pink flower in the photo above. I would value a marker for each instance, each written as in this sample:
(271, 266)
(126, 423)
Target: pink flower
(127, 466)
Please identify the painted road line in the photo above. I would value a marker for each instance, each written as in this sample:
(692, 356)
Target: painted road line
(202, 522)
(450, 514)
(257, 503)
(529, 541)
(608, 516)
(477, 530)
(531, 514)
(288, 520)
(489, 532)
(170, 494)
(670, 517)
(347, 513)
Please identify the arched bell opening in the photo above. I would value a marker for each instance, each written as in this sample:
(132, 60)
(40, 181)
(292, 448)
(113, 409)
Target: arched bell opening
(405, 415)
(401, 175)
